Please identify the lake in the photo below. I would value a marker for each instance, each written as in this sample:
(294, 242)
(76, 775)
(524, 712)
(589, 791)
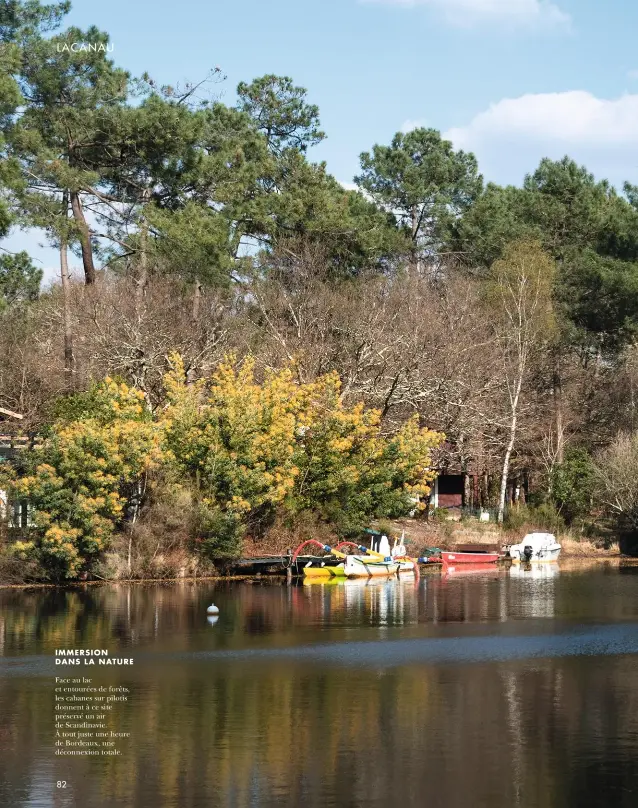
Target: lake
(499, 688)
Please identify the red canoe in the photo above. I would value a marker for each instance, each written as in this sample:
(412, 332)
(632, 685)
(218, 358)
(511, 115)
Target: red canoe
(469, 558)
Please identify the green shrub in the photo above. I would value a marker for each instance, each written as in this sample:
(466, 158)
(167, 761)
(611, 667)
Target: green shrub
(439, 514)
(572, 484)
(218, 534)
(542, 517)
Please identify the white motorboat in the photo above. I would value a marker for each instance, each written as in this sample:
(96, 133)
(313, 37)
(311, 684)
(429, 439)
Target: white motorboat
(535, 547)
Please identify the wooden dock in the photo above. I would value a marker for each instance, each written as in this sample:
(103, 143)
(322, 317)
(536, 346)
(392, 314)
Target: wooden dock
(273, 564)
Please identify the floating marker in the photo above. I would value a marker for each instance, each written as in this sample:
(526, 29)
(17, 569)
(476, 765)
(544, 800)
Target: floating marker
(212, 609)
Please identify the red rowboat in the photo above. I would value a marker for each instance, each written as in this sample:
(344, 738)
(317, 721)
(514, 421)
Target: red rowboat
(469, 569)
(469, 558)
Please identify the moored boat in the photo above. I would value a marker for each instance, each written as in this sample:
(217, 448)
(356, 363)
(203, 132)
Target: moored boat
(342, 565)
(470, 569)
(366, 563)
(364, 567)
(455, 558)
(322, 573)
(535, 547)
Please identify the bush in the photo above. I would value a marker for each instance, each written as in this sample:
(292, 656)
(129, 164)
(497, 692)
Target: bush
(77, 481)
(571, 485)
(218, 535)
(439, 514)
(254, 450)
(14, 570)
(541, 517)
(159, 544)
(385, 527)
(617, 483)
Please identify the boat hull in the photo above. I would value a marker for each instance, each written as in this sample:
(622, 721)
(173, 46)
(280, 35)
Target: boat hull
(455, 559)
(548, 557)
(362, 567)
(470, 569)
(543, 548)
(318, 573)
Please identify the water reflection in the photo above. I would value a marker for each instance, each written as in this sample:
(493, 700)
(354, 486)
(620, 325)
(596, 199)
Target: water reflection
(406, 692)
(376, 601)
(534, 570)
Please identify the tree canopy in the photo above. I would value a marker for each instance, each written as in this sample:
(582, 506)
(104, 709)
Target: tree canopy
(423, 182)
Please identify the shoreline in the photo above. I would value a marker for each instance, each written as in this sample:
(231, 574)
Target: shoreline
(567, 561)
(420, 537)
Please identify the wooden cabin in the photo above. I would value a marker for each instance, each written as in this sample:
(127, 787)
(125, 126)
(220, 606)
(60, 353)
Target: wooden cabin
(448, 491)
(454, 491)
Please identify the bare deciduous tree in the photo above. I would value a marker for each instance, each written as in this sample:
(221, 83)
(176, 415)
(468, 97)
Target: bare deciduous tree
(520, 294)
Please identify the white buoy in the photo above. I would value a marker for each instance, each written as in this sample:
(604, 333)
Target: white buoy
(212, 620)
(212, 609)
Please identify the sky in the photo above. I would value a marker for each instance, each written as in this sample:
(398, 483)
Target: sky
(511, 80)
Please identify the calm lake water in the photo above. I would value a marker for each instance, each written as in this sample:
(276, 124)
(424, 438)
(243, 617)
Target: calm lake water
(494, 689)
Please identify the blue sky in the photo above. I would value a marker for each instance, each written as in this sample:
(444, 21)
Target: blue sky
(511, 80)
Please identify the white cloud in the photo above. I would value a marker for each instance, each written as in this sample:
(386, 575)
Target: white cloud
(409, 125)
(518, 12)
(571, 117)
(515, 133)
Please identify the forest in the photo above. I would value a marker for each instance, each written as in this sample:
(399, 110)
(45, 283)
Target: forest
(249, 348)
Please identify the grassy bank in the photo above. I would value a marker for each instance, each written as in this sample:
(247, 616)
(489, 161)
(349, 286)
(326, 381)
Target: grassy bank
(449, 534)
(167, 555)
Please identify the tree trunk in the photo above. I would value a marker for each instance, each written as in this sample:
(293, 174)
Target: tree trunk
(414, 228)
(191, 372)
(197, 299)
(69, 358)
(142, 278)
(85, 238)
(510, 447)
(521, 493)
(467, 491)
(558, 414)
(466, 496)
(504, 475)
